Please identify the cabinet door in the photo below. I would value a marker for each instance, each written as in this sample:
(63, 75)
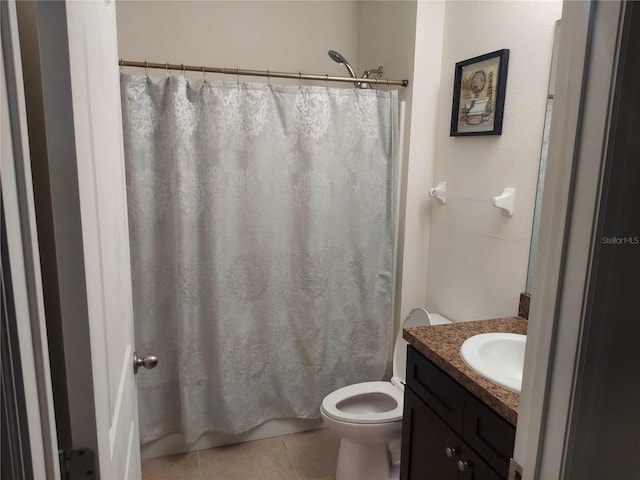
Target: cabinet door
(473, 467)
(488, 434)
(425, 438)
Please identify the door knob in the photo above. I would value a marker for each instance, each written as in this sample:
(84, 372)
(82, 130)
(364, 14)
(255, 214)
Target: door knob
(450, 451)
(146, 361)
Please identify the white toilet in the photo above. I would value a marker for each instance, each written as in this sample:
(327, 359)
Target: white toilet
(368, 416)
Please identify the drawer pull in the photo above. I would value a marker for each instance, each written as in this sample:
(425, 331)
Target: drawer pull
(462, 465)
(450, 451)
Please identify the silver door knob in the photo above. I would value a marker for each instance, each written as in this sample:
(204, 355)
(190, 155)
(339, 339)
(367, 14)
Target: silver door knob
(450, 451)
(462, 466)
(146, 361)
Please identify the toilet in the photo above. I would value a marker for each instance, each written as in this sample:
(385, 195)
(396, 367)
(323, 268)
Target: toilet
(368, 415)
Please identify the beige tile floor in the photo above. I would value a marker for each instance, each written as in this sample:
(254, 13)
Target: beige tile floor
(299, 456)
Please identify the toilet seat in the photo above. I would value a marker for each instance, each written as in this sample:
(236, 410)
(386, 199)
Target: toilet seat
(378, 402)
(362, 400)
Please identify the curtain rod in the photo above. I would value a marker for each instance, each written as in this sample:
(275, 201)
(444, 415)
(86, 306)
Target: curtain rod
(262, 73)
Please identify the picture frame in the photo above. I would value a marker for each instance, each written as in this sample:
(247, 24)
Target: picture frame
(479, 89)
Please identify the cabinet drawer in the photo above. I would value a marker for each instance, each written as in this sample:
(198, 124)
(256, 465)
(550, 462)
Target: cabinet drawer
(437, 389)
(491, 436)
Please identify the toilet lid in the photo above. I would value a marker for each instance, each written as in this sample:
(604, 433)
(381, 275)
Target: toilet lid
(344, 405)
(418, 317)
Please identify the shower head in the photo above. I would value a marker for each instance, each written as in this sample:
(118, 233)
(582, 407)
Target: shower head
(336, 57)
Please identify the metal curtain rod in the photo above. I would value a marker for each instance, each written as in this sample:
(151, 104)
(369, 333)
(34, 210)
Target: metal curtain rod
(261, 73)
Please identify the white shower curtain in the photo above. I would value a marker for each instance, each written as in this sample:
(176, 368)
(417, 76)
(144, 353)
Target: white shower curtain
(262, 230)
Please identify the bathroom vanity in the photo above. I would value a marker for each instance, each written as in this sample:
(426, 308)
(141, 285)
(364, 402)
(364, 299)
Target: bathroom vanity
(456, 423)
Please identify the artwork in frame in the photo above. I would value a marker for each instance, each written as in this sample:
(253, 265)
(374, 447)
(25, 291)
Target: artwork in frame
(478, 95)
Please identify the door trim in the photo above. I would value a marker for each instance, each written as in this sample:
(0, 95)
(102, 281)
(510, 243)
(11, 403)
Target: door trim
(586, 75)
(23, 256)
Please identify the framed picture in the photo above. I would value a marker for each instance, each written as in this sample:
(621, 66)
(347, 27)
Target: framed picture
(478, 95)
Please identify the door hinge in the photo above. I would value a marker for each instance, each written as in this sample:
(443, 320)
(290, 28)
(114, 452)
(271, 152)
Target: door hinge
(77, 464)
(515, 470)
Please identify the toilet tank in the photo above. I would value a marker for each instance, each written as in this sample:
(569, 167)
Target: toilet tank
(418, 317)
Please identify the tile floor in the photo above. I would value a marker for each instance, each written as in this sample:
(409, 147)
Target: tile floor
(299, 456)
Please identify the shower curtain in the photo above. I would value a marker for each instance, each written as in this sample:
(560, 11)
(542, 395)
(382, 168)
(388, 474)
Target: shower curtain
(262, 236)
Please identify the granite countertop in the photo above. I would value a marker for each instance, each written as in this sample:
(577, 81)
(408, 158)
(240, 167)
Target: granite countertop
(441, 344)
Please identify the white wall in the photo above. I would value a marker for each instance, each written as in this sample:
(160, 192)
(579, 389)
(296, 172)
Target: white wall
(477, 257)
(281, 36)
(387, 37)
(419, 170)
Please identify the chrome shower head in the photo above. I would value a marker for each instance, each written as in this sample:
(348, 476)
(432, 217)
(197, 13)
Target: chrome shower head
(336, 57)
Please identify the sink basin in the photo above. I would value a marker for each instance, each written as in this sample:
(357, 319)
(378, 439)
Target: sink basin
(499, 357)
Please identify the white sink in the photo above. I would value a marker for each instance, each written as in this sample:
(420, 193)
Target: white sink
(499, 357)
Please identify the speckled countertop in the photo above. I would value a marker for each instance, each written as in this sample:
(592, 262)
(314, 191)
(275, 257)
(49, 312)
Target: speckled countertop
(441, 344)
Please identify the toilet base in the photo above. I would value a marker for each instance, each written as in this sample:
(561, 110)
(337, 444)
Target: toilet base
(364, 461)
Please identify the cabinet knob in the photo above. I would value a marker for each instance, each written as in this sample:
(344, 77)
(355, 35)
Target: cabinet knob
(450, 451)
(463, 465)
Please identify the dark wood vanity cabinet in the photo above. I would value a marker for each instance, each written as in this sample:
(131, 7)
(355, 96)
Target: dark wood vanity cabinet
(447, 433)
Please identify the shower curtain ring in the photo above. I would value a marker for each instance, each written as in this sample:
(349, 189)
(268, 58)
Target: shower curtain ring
(146, 68)
(237, 76)
(182, 65)
(326, 80)
(204, 74)
(268, 77)
(299, 79)
(166, 66)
